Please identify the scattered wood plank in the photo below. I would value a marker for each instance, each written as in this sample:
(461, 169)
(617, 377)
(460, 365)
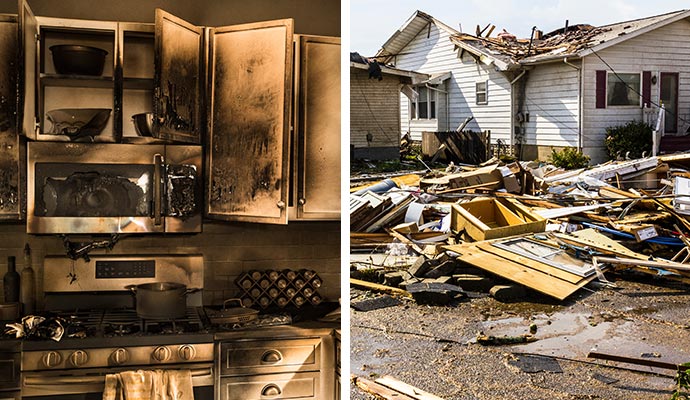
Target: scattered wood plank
(406, 389)
(378, 390)
(378, 287)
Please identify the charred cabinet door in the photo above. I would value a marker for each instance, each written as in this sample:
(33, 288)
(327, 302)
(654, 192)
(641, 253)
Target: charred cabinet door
(178, 79)
(319, 128)
(249, 121)
(28, 55)
(11, 173)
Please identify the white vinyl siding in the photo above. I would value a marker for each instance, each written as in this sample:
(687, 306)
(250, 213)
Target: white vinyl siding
(552, 102)
(435, 54)
(666, 49)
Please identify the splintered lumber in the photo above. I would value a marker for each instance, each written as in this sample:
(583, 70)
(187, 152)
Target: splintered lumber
(534, 275)
(378, 390)
(406, 389)
(378, 287)
(591, 238)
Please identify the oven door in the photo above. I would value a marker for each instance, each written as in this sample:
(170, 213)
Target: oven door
(90, 383)
(112, 188)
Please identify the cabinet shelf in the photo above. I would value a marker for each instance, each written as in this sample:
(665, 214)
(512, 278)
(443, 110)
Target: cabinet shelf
(76, 81)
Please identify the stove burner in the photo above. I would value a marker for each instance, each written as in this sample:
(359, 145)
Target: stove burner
(120, 328)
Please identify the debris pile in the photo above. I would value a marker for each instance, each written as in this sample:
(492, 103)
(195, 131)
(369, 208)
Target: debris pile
(507, 230)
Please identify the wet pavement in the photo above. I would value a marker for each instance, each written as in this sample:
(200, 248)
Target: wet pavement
(435, 349)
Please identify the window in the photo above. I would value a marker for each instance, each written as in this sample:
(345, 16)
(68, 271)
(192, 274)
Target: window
(623, 89)
(425, 105)
(482, 93)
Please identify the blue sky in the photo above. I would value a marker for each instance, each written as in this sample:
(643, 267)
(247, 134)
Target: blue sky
(373, 21)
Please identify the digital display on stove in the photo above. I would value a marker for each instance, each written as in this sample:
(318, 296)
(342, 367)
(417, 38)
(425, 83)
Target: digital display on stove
(115, 269)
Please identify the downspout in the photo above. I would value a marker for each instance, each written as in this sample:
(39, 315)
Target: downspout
(519, 99)
(447, 104)
(580, 138)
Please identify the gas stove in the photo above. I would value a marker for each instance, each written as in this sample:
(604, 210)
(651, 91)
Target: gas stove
(111, 337)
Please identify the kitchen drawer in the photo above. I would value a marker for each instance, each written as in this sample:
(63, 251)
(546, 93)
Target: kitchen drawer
(301, 385)
(270, 356)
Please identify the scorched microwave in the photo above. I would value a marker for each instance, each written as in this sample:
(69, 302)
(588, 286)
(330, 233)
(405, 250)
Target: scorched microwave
(113, 188)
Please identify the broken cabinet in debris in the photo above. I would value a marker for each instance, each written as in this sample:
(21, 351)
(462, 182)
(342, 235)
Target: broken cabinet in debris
(491, 218)
(86, 81)
(12, 176)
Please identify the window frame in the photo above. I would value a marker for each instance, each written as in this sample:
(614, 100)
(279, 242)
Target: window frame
(639, 89)
(477, 92)
(431, 99)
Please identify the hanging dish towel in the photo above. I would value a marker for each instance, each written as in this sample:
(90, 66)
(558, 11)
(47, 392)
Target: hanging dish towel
(149, 385)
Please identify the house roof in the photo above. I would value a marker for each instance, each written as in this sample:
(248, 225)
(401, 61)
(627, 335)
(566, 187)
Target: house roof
(578, 41)
(408, 31)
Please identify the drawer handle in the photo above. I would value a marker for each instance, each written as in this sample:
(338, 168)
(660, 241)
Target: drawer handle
(271, 390)
(271, 357)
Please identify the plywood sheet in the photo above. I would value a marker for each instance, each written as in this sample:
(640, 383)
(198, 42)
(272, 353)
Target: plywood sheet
(525, 275)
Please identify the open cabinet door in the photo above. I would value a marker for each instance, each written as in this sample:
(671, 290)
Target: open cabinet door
(319, 128)
(11, 188)
(27, 71)
(249, 121)
(178, 79)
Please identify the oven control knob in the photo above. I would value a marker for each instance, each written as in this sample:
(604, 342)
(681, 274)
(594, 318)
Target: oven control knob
(51, 359)
(120, 356)
(161, 353)
(187, 352)
(78, 358)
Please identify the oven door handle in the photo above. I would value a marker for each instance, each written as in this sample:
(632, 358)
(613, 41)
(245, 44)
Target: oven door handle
(92, 379)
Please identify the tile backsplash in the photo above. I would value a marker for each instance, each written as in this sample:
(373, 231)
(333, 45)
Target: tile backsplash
(229, 249)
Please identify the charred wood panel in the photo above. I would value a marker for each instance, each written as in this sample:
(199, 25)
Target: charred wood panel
(178, 79)
(27, 70)
(11, 195)
(319, 128)
(250, 89)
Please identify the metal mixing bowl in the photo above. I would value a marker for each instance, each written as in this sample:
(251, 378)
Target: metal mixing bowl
(143, 123)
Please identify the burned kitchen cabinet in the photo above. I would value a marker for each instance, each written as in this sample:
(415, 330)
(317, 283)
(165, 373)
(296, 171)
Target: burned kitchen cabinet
(108, 81)
(250, 72)
(11, 174)
(178, 79)
(275, 363)
(317, 121)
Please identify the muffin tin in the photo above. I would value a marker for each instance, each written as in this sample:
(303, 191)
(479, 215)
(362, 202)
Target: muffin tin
(273, 288)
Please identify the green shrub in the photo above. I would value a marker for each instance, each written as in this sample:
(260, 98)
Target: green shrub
(632, 139)
(569, 158)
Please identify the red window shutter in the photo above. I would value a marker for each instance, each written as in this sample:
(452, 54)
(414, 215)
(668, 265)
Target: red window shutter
(601, 89)
(646, 88)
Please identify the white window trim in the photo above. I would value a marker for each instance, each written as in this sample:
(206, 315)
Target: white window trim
(430, 92)
(486, 93)
(639, 90)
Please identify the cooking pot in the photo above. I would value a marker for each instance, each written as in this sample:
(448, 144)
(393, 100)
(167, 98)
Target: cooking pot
(235, 315)
(161, 300)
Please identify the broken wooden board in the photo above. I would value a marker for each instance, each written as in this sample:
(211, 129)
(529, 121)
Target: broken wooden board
(404, 388)
(378, 390)
(602, 243)
(378, 287)
(529, 275)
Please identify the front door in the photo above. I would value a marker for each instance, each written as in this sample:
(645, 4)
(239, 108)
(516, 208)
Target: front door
(669, 98)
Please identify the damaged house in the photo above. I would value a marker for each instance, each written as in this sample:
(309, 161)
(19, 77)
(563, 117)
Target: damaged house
(374, 108)
(554, 90)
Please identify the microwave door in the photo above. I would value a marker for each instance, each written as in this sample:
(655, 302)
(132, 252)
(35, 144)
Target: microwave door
(94, 190)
